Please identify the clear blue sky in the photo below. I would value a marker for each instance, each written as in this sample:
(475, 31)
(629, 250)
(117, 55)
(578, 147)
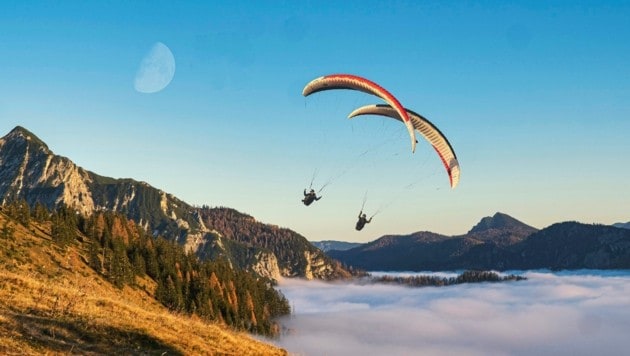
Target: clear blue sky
(534, 97)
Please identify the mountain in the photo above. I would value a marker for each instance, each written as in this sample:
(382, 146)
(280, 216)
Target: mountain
(417, 251)
(430, 251)
(572, 245)
(328, 245)
(52, 301)
(296, 256)
(622, 225)
(499, 242)
(500, 229)
(498, 221)
(30, 171)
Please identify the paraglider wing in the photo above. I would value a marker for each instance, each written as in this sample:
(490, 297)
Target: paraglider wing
(353, 82)
(431, 133)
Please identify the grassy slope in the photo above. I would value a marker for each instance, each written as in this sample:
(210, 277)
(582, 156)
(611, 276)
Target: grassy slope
(51, 302)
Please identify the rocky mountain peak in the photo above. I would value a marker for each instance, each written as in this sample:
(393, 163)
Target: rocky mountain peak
(498, 221)
(19, 135)
(19, 130)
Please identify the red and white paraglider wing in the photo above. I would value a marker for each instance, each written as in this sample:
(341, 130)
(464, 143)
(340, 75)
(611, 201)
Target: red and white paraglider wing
(353, 82)
(431, 133)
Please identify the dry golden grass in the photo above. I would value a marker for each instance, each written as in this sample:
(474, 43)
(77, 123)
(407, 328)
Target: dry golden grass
(52, 303)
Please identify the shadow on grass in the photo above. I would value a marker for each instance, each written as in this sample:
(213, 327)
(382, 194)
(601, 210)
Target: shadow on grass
(76, 336)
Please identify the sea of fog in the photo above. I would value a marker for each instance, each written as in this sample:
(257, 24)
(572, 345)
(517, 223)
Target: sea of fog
(583, 312)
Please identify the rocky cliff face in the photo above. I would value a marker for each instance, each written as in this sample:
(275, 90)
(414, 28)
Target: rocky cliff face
(266, 265)
(296, 256)
(317, 267)
(29, 170)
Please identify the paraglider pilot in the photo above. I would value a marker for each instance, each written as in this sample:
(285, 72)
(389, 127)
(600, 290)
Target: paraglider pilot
(310, 197)
(362, 221)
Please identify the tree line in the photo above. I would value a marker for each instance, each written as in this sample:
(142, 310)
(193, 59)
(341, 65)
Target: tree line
(434, 281)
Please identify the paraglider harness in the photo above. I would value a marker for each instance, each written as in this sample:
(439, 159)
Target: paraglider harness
(362, 221)
(310, 197)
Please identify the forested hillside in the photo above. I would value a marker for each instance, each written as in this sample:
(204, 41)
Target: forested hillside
(122, 253)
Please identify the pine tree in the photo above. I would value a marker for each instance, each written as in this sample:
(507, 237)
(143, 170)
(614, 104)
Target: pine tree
(23, 212)
(40, 213)
(7, 231)
(121, 271)
(95, 257)
(138, 263)
(62, 230)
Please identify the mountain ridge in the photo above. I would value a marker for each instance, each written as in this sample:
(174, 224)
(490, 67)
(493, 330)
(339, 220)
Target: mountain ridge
(29, 170)
(327, 245)
(500, 244)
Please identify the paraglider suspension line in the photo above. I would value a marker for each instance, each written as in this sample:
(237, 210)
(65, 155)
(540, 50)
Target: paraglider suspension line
(310, 186)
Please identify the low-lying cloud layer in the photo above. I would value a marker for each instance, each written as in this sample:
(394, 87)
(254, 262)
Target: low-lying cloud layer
(579, 313)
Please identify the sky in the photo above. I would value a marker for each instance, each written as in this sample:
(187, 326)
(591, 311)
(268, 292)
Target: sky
(571, 313)
(533, 97)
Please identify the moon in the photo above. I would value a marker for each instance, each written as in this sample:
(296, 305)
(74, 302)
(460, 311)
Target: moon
(156, 69)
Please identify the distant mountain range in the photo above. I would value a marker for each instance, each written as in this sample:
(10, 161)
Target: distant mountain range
(499, 242)
(328, 245)
(29, 170)
(622, 225)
